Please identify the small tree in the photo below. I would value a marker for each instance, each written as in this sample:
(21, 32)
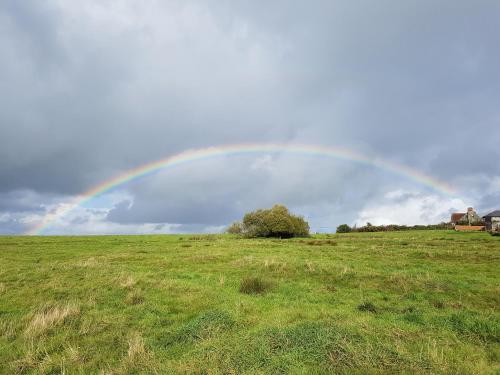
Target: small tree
(235, 228)
(274, 222)
(343, 228)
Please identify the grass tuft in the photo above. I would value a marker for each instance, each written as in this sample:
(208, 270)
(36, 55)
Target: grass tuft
(470, 324)
(254, 285)
(134, 297)
(438, 304)
(413, 315)
(368, 307)
(319, 242)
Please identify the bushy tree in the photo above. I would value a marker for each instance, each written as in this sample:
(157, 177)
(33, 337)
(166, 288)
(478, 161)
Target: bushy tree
(343, 228)
(235, 228)
(274, 222)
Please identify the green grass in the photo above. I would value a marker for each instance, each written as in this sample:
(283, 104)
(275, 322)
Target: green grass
(401, 302)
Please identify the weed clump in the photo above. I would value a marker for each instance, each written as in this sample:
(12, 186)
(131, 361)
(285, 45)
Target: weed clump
(254, 285)
(413, 315)
(368, 307)
(438, 304)
(319, 242)
(134, 298)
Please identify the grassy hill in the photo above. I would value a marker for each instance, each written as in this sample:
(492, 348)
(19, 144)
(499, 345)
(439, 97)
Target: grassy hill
(411, 302)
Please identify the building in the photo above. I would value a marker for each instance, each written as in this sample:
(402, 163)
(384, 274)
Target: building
(492, 220)
(467, 218)
(456, 216)
(469, 221)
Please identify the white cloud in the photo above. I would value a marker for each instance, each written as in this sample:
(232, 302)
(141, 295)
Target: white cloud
(409, 208)
(93, 221)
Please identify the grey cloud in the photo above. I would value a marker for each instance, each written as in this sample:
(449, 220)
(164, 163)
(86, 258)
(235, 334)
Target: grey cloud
(216, 192)
(92, 89)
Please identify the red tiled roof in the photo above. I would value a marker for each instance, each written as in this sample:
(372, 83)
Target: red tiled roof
(456, 216)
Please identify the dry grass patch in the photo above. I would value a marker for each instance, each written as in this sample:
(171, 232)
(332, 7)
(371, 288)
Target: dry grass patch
(127, 282)
(90, 262)
(138, 359)
(275, 266)
(222, 280)
(310, 266)
(3, 288)
(136, 347)
(246, 261)
(73, 355)
(51, 317)
(401, 282)
(345, 275)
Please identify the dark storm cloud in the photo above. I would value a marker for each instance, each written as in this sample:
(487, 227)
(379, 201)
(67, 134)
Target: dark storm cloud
(20, 200)
(215, 192)
(91, 89)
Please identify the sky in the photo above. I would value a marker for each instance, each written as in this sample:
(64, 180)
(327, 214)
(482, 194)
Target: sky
(92, 89)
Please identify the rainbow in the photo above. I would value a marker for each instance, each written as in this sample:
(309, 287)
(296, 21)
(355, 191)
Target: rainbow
(240, 149)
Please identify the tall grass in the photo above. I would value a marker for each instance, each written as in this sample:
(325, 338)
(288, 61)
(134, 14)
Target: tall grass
(410, 302)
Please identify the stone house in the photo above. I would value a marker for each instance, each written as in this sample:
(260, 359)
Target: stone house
(469, 220)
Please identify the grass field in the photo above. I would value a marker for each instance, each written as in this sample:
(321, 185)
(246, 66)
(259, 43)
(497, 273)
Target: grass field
(401, 302)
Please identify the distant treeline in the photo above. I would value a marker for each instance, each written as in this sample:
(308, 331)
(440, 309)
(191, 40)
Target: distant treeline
(344, 228)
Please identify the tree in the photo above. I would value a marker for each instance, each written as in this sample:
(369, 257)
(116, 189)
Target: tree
(274, 222)
(235, 228)
(343, 228)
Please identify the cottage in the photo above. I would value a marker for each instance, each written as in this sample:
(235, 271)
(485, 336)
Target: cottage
(492, 220)
(456, 216)
(467, 221)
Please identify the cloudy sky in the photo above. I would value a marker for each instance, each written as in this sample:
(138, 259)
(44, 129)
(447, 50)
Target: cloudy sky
(91, 89)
